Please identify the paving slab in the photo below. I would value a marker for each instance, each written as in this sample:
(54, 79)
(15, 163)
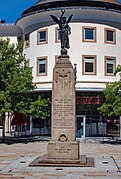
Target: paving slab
(15, 160)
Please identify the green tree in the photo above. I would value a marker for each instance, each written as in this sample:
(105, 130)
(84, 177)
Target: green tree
(16, 84)
(38, 108)
(15, 79)
(112, 95)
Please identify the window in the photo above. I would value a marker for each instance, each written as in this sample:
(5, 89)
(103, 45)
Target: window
(57, 35)
(113, 126)
(41, 66)
(110, 65)
(88, 65)
(89, 34)
(42, 37)
(27, 40)
(110, 36)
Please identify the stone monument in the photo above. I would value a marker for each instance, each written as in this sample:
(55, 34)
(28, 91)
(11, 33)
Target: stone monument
(63, 144)
(63, 149)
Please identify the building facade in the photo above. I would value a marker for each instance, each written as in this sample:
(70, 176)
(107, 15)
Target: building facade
(95, 44)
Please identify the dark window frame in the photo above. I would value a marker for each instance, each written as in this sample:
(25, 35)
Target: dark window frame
(94, 39)
(44, 41)
(45, 72)
(27, 40)
(91, 57)
(113, 59)
(106, 37)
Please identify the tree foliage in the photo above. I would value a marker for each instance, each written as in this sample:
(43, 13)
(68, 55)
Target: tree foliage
(15, 78)
(38, 108)
(112, 94)
(16, 83)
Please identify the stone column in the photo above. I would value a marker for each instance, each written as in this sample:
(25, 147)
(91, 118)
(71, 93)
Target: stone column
(63, 143)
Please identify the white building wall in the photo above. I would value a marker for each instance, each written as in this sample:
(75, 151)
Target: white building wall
(77, 49)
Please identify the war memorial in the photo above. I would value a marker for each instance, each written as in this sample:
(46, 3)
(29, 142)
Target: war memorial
(63, 149)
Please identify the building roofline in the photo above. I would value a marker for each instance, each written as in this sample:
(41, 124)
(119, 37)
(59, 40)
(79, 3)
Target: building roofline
(44, 5)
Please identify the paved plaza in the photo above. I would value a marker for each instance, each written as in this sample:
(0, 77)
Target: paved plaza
(15, 160)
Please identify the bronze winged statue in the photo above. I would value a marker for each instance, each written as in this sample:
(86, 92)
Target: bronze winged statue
(65, 30)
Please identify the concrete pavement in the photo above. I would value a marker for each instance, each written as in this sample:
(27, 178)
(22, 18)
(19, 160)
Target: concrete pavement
(15, 158)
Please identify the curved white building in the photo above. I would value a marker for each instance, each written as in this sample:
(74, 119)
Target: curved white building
(95, 44)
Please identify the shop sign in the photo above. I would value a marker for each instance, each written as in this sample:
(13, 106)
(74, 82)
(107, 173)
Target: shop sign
(88, 100)
(85, 100)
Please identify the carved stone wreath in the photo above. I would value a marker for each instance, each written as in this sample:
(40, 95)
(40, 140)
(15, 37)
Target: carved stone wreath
(63, 137)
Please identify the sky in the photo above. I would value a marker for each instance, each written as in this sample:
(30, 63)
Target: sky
(11, 10)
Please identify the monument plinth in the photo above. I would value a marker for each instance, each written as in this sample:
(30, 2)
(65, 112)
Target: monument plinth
(63, 143)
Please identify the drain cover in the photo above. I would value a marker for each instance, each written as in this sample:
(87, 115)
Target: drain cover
(22, 161)
(105, 162)
(59, 169)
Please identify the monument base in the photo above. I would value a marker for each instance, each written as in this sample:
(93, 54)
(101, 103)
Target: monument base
(42, 161)
(63, 150)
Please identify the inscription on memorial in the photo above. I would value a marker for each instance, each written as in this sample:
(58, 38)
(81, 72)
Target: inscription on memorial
(62, 149)
(63, 110)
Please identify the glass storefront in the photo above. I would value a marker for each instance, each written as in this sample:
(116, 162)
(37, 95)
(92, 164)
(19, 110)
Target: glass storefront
(113, 126)
(87, 103)
(90, 123)
(40, 126)
(96, 125)
(79, 126)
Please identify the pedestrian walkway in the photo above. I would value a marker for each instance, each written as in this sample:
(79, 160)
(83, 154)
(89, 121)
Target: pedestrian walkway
(15, 160)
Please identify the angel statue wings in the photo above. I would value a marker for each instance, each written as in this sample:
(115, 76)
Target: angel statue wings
(65, 29)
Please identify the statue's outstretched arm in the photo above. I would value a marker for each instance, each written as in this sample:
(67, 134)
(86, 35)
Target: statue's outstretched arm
(63, 12)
